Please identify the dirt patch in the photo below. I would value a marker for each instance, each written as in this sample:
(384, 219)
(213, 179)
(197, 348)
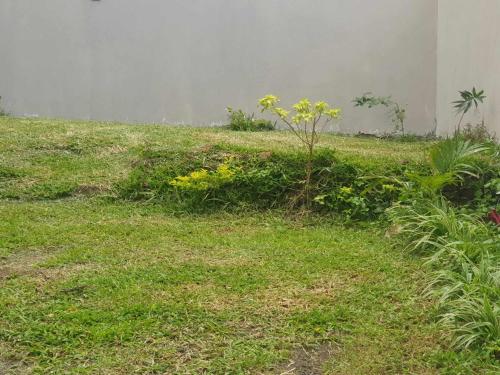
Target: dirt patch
(11, 363)
(88, 190)
(7, 273)
(29, 264)
(111, 150)
(308, 361)
(265, 155)
(302, 298)
(20, 264)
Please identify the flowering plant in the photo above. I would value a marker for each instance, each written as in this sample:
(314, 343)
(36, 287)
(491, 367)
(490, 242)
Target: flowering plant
(203, 180)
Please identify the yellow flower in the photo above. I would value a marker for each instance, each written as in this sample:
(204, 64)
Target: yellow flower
(224, 172)
(202, 179)
(199, 175)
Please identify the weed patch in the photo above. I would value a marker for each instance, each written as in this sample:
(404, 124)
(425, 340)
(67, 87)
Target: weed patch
(257, 179)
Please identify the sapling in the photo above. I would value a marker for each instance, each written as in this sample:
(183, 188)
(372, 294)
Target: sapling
(305, 120)
(468, 99)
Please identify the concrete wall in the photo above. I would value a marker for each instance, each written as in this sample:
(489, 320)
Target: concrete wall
(186, 60)
(468, 55)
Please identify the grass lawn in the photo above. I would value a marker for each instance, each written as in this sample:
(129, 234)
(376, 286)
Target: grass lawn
(90, 284)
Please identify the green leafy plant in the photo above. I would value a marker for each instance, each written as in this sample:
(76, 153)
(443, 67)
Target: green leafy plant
(345, 201)
(189, 181)
(452, 155)
(365, 198)
(461, 249)
(397, 111)
(240, 121)
(475, 320)
(468, 100)
(450, 162)
(463, 253)
(305, 120)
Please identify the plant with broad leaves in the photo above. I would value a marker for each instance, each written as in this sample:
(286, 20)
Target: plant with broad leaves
(305, 120)
(467, 101)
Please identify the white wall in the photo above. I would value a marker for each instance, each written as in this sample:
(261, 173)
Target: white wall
(186, 60)
(468, 55)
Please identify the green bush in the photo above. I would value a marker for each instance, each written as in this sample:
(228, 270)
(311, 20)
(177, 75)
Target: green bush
(240, 121)
(225, 177)
(262, 179)
(362, 199)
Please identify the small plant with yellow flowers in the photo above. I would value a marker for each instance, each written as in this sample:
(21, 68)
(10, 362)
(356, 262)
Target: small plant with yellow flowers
(203, 180)
(305, 120)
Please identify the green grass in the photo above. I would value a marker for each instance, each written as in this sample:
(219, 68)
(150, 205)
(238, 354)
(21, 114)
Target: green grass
(93, 285)
(53, 158)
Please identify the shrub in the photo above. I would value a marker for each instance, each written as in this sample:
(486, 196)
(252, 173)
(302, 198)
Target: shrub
(452, 156)
(240, 121)
(224, 177)
(361, 200)
(454, 167)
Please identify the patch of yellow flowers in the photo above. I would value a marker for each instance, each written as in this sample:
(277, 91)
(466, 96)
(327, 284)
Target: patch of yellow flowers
(202, 180)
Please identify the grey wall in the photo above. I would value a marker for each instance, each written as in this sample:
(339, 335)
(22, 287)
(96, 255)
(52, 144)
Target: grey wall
(469, 55)
(186, 60)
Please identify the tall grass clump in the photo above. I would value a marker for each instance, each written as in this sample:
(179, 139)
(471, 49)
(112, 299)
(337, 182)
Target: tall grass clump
(460, 245)
(241, 121)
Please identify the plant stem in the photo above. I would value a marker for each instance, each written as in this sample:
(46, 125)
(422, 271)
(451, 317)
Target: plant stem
(457, 131)
(309, 167)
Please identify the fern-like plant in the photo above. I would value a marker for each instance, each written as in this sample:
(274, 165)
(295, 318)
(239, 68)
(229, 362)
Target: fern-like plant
(452, 155)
